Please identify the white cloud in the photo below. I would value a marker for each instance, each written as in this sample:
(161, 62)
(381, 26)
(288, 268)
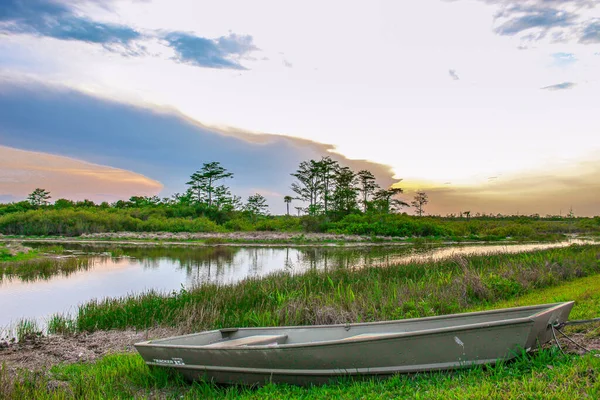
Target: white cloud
(371, 82)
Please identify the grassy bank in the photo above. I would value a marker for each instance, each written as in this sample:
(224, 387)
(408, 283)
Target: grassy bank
(42, 268)
(543, 375)
(41, 263)
(94, 219)
(413, 290)
(15, 252)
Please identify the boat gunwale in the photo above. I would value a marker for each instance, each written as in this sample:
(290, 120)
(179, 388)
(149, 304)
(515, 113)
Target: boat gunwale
(343, 341)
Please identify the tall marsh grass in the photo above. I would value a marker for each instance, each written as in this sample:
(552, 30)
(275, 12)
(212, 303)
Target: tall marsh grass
(43, 268)
(372, 294)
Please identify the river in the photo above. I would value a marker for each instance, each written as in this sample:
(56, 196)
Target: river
(119, 271)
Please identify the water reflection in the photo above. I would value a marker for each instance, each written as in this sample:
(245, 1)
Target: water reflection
(229, 264)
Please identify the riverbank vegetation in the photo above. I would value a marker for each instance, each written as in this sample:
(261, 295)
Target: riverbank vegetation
(343, 295)
(543, 374)
(18, 261)
(42, 268)
(14, 252)
(160, 218)
(332, 199)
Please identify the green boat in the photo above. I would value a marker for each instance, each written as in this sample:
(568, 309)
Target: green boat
(305, 355)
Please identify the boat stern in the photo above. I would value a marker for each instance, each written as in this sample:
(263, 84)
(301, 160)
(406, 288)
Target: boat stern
(543, 321)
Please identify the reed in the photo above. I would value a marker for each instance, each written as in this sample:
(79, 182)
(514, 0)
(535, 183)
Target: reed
(346, 295)
(27, 329)
(43, 268)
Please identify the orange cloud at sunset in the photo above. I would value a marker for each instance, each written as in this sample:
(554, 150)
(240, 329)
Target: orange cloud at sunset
(23, 171)
(554, 191)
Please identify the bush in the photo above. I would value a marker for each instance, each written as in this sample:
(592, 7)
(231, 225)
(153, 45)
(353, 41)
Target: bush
(70, 222)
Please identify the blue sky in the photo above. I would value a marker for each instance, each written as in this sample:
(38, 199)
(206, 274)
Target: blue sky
(471, 100)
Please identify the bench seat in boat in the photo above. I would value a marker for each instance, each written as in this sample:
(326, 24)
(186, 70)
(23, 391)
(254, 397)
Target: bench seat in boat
(256, 340)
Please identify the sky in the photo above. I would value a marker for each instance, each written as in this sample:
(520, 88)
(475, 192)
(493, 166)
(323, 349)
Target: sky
(487, 105)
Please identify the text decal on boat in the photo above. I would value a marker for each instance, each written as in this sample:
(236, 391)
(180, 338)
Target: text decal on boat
(173, 361)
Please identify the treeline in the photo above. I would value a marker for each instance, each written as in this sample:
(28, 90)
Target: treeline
(334, 199)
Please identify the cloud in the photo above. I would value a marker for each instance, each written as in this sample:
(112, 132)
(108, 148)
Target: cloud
(543, 192)
(56, 20)
(591, 33)
(224, 52)
(524, 18)
(160, 144)
(560, 86)
(556, 20)
(23, 171)
(59, 21)
(453, 74)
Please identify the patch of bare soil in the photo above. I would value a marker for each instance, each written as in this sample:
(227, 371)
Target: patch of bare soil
(219, 238)
(39, 352)
(590, 343)
(234, 236)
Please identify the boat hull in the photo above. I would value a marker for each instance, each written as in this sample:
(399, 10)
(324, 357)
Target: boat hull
(438, 348)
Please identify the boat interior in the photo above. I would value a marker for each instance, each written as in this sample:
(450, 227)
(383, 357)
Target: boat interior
(275, 336)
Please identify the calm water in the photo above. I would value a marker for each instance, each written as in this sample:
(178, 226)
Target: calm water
(138, 269)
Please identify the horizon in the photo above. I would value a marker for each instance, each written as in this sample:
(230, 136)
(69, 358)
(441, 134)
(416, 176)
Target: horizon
(486, 105)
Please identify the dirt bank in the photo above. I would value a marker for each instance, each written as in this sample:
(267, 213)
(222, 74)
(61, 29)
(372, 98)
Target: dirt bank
(37, 353)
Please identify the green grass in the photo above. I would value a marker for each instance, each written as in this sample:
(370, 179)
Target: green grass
(544, 375)
(27, 329)
(6, 255)
(584, 291)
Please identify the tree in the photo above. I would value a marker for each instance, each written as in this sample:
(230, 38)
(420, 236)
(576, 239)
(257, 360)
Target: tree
(309, 184)
(39, 197)
(223, 200)
(288, 201)
(61, 204)
(419, 201)
(326, 168)
(366, 185)
(256, 205)
(183, 198)
(143, 201)
(299, 209)
(202, 182)
(385, 202)
(345, 192)
(85, 203)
